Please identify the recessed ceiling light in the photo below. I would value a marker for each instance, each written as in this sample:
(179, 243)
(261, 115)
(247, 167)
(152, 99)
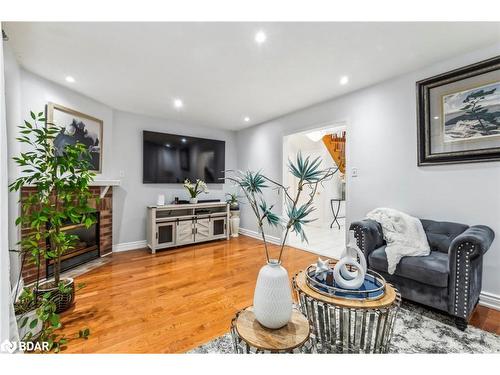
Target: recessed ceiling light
(178, 103)
(436, 117)
(183, 140)
(70, 79)
(167, 145)
(260, 37)
(246, 119)
(344, 80)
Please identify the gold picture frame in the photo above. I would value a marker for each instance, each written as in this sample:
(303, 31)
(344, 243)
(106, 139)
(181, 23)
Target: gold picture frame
(78, 126)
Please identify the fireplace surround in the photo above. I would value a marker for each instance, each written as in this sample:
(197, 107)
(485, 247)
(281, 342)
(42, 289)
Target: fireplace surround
(89, 248)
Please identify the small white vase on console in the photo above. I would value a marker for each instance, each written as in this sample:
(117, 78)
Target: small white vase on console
(161, 200)
(193, 200)
(272, 299)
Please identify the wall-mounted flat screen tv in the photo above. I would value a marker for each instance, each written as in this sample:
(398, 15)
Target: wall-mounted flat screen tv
(171, 158)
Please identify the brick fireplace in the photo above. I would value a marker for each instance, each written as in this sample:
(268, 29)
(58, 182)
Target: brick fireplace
(95, 242)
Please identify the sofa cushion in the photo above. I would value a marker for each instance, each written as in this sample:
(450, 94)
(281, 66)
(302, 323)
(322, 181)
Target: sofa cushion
(441, 233)
(431, 269)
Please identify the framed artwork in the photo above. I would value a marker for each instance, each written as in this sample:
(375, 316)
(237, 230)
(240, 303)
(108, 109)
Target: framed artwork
(77, 127)
(458, 115)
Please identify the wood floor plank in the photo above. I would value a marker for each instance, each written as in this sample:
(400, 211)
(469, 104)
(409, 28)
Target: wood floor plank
(178, 299)
(169, 302)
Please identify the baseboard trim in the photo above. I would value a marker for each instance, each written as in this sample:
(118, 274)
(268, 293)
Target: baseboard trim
(489, 300)
(126, 246)
(258, 236)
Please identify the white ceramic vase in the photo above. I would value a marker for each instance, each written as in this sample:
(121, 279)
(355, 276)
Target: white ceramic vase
(272, 301)
(193, 200)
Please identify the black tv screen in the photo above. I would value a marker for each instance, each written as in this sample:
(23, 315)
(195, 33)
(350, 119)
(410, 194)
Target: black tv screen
(170, 158)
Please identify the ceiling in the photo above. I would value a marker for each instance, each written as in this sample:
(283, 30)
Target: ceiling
(218, 70)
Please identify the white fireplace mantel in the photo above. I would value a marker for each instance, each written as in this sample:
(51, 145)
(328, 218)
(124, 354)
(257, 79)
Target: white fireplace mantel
(105, 185)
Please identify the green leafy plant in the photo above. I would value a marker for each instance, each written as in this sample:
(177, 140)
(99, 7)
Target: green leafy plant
(233, 200)
(60, 197)
(46, 317)
(254, 183)
(62, 194)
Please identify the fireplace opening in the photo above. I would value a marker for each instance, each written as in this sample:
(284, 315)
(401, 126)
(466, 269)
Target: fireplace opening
(85, 250)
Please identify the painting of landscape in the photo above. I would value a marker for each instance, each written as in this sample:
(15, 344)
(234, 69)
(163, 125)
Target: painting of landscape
(472, 114)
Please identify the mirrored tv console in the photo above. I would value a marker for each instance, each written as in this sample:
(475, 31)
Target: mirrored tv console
(182, 224)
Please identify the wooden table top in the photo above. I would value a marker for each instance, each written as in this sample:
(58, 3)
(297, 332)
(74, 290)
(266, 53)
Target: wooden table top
(291, 336)
(386, 301)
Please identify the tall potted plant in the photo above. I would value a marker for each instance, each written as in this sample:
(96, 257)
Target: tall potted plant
(61, 197)
(273, 297)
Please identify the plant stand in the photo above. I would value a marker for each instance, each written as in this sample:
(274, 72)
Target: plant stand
(234, 221)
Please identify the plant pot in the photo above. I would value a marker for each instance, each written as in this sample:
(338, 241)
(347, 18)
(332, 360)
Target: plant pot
(26, 333)
(272, 299)
(63, 301)
(234, 207)
(193, 200)
(234, 223)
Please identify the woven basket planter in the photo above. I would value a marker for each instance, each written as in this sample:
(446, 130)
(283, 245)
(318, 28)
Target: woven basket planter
(63, 301)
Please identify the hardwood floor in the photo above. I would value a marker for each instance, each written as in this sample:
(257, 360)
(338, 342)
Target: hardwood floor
(486, 319)
(176, 300)
(169, 302)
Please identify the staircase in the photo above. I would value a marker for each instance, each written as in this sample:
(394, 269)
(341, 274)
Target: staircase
(335, 145)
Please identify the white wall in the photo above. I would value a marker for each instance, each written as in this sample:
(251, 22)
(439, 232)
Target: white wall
(13, 115)
(382, 144)
(4, 244)
(36, 92)
(132, 197)
(122, 147)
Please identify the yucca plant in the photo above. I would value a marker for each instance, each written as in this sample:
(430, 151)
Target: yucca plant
(254, 183)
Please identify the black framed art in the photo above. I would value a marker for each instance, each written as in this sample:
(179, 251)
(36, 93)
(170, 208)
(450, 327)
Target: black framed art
(458, 115)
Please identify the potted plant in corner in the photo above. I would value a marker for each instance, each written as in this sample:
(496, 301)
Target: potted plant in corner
(234, 212)
(195, 189)
(61, 197)
(273, 296)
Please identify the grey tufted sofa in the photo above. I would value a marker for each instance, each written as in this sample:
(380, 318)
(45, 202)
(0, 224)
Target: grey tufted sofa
(449, 279)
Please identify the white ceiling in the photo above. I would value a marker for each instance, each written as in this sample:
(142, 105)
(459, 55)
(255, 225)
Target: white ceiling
(219, 71)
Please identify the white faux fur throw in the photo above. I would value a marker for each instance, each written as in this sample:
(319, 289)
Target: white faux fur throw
(403, 233)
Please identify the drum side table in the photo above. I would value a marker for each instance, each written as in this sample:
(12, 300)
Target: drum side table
(251, 337)
(341, 325)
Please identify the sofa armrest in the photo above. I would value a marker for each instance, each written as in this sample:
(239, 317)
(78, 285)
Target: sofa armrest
(368, 234)
(466, 269)
(476, 241)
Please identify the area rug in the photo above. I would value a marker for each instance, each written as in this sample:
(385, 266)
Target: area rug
(417, 330)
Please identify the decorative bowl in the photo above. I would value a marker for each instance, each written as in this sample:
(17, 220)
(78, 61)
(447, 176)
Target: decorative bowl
(373, 287)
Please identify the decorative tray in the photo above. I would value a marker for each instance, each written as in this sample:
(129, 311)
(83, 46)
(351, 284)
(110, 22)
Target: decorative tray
(373, 287)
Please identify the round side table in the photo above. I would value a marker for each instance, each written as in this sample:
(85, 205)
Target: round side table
(251, 337)
(340, 325)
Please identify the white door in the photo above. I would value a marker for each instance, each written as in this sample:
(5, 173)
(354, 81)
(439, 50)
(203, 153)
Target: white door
(184, 232)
